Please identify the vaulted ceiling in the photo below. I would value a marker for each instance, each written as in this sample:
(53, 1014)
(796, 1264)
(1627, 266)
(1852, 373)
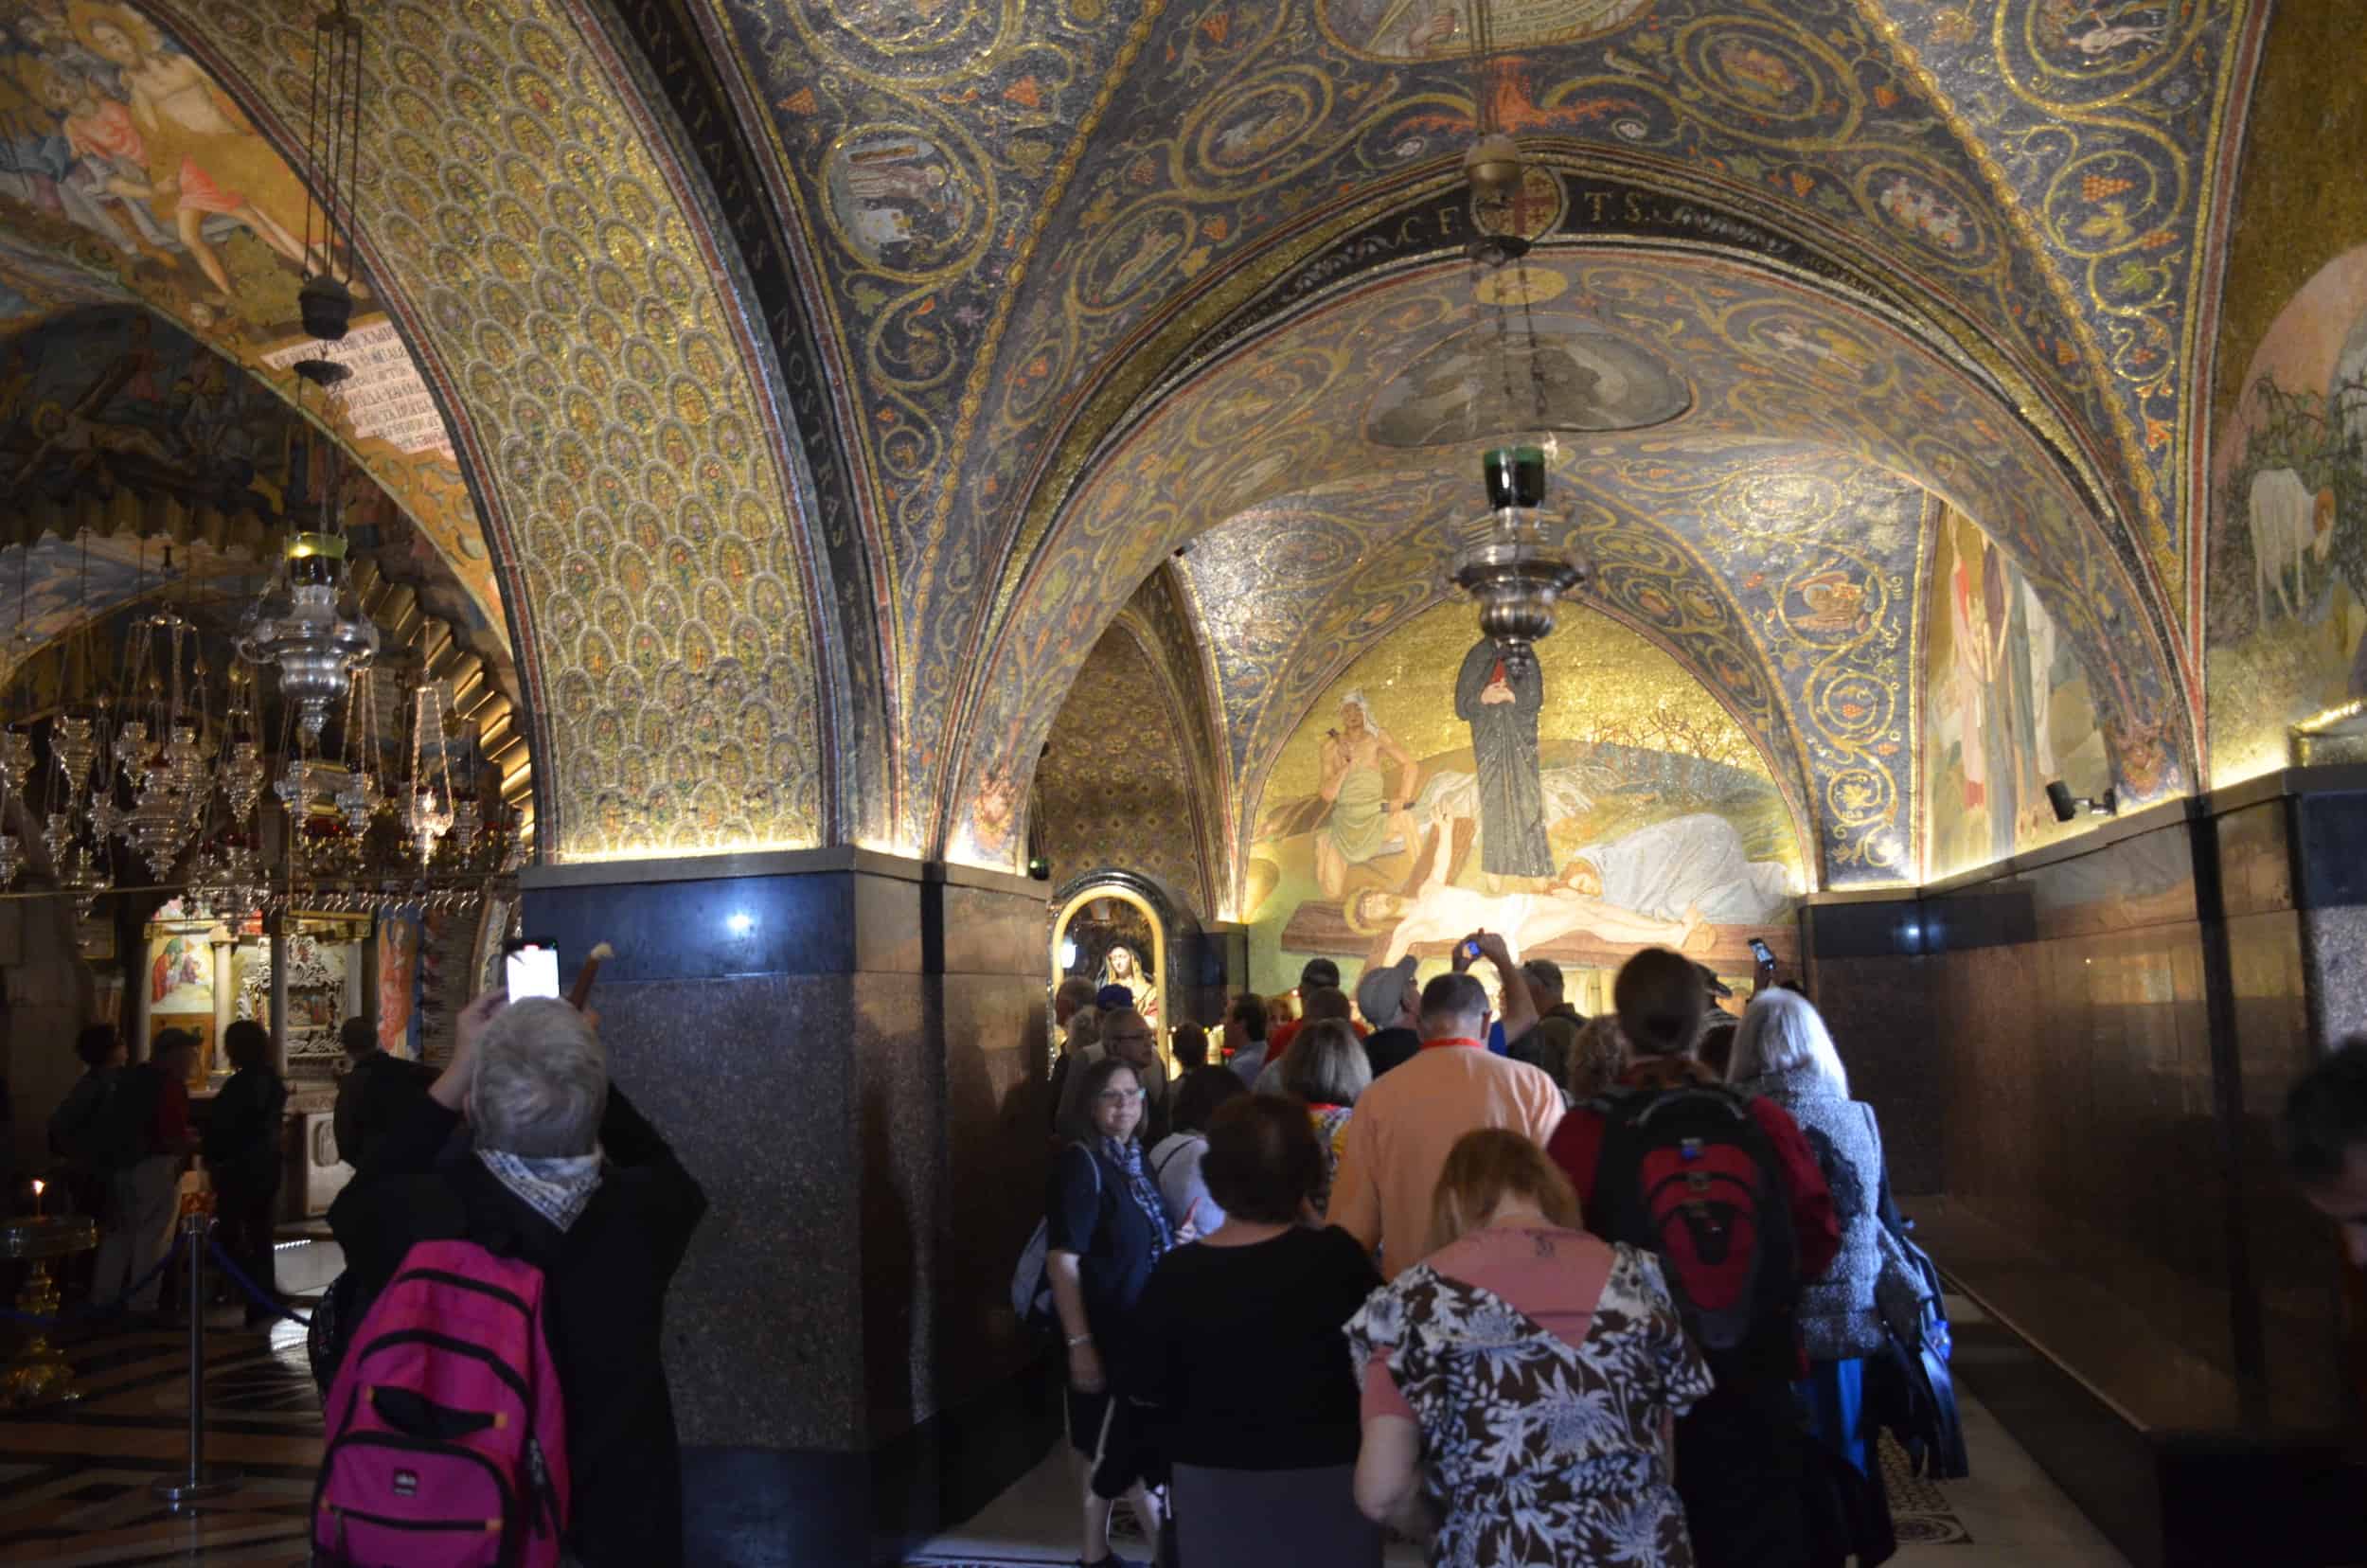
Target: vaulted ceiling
(819, 382)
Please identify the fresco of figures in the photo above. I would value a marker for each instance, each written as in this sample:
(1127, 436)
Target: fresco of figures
(2007, 709)
(2287, 627)
(1596, 803)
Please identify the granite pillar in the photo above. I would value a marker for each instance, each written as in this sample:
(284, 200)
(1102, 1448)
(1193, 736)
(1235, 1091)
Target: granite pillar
(848, 1051)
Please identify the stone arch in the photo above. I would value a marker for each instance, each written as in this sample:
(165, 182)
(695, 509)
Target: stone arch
(1225, 434)
(671, 489)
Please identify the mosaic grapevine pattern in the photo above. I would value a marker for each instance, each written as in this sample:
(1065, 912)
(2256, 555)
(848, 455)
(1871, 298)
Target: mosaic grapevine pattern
(2101, 126)
(1003, 221)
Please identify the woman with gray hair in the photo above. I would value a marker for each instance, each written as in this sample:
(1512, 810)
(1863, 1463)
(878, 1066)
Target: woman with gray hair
(1784, 1052)
(563, 1173)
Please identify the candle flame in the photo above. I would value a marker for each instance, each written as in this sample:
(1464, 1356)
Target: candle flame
(39, 1186)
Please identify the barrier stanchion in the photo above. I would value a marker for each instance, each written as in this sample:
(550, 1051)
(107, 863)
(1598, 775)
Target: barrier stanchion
(201, 1482)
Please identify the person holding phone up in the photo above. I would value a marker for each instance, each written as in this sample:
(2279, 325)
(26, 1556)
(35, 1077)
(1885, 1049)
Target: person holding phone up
(564, 1174)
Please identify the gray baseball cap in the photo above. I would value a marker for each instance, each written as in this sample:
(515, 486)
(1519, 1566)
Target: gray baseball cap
(1381, 990)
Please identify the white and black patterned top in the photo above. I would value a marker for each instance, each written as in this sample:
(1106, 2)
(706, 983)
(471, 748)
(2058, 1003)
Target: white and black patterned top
(1541, 1454)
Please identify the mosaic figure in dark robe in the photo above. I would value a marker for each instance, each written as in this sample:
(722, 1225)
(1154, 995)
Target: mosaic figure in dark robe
(1501, 704)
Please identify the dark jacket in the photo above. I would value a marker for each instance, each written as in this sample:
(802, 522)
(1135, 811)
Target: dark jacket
(242, 1132)
(376, 1093)
(69, 1123)
(605, 1280)
(1548, 1045)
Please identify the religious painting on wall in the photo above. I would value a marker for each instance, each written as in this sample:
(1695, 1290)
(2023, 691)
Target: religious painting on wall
(180, 973)
(2007, 709)
(132, 176)
(1110, 938)
(398, 941)
(2286, 620)
(1595, 804)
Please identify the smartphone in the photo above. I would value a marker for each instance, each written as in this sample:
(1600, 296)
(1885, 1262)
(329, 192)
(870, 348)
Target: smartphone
(1760, 951)
(1470, 950)
(532, 966)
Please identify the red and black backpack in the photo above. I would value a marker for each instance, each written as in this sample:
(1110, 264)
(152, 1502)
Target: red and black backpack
(1688, 1175)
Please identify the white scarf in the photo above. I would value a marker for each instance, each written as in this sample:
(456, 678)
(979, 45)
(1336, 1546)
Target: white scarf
(558, 1187)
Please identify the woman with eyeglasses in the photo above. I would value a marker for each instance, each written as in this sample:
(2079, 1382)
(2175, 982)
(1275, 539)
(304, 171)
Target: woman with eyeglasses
(1105, 1228)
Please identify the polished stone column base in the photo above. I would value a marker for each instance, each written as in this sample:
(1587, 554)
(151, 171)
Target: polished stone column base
(849, 1052)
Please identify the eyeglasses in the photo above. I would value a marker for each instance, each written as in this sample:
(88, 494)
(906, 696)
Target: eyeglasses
(1118, 1097)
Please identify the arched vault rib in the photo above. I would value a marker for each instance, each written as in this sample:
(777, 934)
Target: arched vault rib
(536, 244)
(1768, 356)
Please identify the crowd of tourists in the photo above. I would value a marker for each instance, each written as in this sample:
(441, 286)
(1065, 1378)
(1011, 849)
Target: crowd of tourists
(1533, 1289)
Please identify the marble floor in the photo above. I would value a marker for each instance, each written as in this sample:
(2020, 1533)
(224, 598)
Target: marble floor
(2007, 1514)
(73, 1480)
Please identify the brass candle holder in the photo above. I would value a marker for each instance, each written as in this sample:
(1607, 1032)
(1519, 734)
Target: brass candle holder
(40, 1374)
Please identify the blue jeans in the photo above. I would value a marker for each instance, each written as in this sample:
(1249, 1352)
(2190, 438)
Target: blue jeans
(1833, 1400)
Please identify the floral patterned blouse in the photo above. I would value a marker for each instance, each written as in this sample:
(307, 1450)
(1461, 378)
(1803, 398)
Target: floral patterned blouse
(1541, 1453)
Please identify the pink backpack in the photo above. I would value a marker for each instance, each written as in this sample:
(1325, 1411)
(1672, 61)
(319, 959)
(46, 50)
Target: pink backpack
(447, 1437)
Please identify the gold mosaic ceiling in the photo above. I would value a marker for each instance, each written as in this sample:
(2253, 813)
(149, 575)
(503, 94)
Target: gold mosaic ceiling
(776, 341)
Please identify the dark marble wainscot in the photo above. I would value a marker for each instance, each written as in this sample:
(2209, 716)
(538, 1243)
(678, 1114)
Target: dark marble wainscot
(848, 1051)
(2109, 1026)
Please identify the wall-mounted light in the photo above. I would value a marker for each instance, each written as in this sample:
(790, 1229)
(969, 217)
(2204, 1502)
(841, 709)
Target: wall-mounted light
(2067, 806)
(1039, 868)
(2337, 734)
(740, 922)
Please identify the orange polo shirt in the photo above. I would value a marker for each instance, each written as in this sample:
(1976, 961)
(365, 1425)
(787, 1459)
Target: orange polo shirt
(1403, 1127)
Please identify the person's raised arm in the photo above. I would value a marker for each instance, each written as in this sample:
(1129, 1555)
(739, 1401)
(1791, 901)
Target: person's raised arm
(451, 1088)
(1519, 1008)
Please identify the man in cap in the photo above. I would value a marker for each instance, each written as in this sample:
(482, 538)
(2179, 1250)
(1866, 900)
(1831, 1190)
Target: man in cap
(1391, 1003)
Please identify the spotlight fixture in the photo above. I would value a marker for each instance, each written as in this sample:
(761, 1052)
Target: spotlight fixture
(1039, 868)
(2067, 806)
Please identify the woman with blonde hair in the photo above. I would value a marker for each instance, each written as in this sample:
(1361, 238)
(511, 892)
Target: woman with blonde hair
(1325, 1073)
(1527, 1375)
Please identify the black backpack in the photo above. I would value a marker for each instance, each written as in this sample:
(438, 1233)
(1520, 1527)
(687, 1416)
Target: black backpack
(114, 1135)
(1688, 1176)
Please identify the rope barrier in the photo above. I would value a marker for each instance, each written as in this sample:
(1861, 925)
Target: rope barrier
(253, 1293)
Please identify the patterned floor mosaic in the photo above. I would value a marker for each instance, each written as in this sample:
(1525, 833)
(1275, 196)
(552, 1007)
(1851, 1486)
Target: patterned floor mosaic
(75, 1479)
